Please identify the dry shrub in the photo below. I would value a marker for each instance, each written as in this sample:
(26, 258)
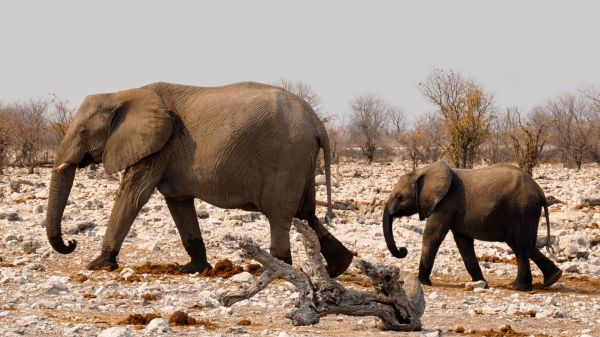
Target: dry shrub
(6, 265)
(244, 322)
(149, 297)
(253, 268)
(180, 318)
(78, 278)
(138, 319)
(89, 296)
(224, 268)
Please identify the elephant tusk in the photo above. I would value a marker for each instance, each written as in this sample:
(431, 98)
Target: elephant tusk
(62, 166)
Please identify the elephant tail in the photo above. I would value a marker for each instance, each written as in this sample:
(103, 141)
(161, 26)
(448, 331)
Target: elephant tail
(549, 247)
(324, 142)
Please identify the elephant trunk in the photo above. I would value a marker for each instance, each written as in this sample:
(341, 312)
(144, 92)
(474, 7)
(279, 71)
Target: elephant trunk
(388, 219)
(60, 187)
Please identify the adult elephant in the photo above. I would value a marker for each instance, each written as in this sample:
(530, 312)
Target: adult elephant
(248, 145)
(497, 203)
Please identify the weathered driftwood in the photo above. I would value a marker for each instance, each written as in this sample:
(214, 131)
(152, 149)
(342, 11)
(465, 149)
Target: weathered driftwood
(399, 304)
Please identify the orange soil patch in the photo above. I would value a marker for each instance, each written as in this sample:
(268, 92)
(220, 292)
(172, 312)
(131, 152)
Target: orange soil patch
(138, 319)
(180, 318)
(158, 268)
(7, 265)
(78, 278)
(89, 296)
(224, 268)
(244, 322)
(496, 259)
(506, 331)
(531, 313)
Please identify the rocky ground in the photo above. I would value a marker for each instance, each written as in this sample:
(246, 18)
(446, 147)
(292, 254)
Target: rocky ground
(44, 293)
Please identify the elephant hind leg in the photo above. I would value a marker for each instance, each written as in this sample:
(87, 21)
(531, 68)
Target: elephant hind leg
(523, 281)
(466, 248)
(184, 215)
(338, 257)
(550, 271)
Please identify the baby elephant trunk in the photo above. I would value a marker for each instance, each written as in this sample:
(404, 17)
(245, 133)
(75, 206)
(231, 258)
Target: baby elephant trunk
(388, 219)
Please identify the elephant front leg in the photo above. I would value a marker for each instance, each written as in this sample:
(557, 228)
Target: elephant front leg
(184, 215)
(466, 248)
(433, 236)
(136, 187)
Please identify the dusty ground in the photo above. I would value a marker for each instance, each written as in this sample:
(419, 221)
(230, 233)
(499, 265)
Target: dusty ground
(44, 293)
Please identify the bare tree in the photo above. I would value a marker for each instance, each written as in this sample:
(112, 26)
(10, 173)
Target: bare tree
(571, 122)
(7, 136)
(496, 147)
(412, 140)
(307, 93)
(61, 118)
(593, 95)
(466, 110)
(397, 120)
(431, 127)
(527, 136)
(370, 117)
(30, 125)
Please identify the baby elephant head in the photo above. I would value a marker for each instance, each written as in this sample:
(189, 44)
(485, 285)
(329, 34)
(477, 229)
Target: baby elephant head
(416, 192)
(116, 129)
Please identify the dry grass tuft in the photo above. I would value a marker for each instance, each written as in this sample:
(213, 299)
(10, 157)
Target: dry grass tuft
(138, 319)
(78, 278)
(224, 268)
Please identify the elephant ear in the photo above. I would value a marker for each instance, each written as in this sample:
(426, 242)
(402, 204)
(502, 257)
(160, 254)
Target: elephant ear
(431, 185)
(141, 125)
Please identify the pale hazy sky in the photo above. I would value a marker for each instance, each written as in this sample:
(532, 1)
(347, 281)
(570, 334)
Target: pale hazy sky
(524, 51)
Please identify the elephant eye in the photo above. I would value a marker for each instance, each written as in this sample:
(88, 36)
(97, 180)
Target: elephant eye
(399, 197)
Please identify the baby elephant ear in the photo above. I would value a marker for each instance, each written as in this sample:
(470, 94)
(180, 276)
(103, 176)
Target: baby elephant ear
(431, 185)
(140, 126)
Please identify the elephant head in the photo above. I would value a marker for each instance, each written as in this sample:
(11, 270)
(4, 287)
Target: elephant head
(116, 129)
(417, 192)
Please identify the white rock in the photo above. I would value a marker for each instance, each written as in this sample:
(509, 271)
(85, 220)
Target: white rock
(433, 296)
(115, 332)
(55, 284)
(243, 277)
(571, 267)
(435, 333)
(320, 180)
(157, 325)
(476, 284)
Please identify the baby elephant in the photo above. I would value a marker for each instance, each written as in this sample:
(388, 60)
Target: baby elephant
(497, 203)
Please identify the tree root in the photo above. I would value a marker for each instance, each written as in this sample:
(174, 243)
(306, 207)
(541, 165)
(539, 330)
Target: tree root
(399, 304)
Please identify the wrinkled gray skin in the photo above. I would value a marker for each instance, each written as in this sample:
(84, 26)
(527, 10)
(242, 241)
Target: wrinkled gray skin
(247, 145)
(497, 203)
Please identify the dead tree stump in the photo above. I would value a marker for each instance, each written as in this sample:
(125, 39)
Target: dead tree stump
(398, 303)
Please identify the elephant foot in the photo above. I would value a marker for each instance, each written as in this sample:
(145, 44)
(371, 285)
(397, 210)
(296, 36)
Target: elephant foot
(520, 286)
(103, 263)
(195, 267)
(548, 281)
(338, 257)
(426, 281)
(287, 257)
